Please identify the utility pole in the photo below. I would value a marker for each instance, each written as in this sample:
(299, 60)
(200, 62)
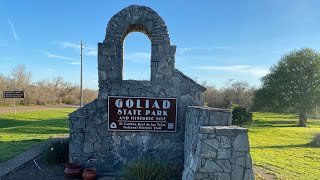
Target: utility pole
(81, 95)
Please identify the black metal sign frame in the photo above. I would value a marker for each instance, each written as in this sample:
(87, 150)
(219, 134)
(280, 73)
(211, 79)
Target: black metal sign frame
(13, 94)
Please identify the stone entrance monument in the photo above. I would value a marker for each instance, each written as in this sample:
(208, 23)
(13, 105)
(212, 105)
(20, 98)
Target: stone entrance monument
(163, 118)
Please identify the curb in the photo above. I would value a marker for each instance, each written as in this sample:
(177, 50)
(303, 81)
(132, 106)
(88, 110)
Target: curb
(24, 157)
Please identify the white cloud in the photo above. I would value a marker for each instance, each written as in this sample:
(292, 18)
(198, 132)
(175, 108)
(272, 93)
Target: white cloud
(87, 51)
(183, 50)
(91, 52)
(65, 44)
(138, 56)
(253, 70)
(75, 63)
(15, 35)
(56, 56)
(6, 45)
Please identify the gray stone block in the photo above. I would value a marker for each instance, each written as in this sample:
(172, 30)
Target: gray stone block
(207, 129)
(249, 175)
(87, 147)
(90, 137)
(75, 148)
(241, 143)
(78, 123)
(207, 152)
(176, 82)
(225, 165)
(210, 167)
(212, 142)
(211, 136)
(222, 176)
(198, 99)
(237, 173)
(224, 153)
(248, 161)
(98, 147)
(241, 161)
(238, 153)
(225, 142)
(225, 131)
(77, 138)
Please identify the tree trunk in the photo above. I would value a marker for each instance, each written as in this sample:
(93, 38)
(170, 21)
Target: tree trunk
(302, 119)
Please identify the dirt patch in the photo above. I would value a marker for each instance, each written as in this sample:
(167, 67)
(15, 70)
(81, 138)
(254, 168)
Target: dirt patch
(30, 170)
(262, 175)
(34, 108)
(38, 169)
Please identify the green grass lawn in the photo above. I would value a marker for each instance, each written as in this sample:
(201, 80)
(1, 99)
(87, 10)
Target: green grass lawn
(277, 144)
(20, 133)
(280, 147)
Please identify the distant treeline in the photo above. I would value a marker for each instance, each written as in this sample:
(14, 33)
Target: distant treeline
(233, 94)
(54, 91)
(58, 91)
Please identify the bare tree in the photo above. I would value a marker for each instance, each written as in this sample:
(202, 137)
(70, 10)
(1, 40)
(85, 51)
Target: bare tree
(237, 93)
(55, 91)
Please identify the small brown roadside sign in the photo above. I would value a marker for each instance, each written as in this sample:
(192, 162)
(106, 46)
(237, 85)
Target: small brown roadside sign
(13, 94)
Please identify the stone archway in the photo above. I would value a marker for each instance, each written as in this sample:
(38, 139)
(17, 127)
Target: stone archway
(138, 19)
(91, 140)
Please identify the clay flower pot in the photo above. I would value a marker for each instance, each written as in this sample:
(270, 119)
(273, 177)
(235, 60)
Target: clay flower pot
(73, 170)
(89, 174)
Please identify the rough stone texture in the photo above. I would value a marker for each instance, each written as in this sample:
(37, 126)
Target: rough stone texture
(204, 143)
(215, 152)
(91, 142)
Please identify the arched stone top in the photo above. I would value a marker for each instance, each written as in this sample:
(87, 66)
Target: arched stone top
(137, 19)
(163, 73)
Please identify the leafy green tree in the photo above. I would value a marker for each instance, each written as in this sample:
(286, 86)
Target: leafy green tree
(293, 84)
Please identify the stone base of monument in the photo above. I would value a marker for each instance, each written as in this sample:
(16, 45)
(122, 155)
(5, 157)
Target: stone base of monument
(162, 118)
(215, 152)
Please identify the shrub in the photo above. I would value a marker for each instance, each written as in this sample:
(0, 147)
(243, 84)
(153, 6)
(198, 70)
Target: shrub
(241, 117)
(315, 141)
(151, 169)
(57, 152)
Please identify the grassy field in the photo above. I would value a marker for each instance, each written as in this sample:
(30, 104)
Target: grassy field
(280, 147)
(20, 133)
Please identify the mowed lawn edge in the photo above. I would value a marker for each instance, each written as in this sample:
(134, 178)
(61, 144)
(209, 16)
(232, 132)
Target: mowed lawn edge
(281, 148)
(278, 146)
(27, 129)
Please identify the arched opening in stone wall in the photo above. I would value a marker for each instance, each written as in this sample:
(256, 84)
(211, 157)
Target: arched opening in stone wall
(136, 56)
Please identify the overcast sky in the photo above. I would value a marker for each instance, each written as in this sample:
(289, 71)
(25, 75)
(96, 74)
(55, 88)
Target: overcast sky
(217, 41)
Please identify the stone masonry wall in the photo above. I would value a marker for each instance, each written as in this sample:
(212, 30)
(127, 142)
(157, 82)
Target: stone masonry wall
(204, 143)
(93, 144)
(90, 140)
(215, 152)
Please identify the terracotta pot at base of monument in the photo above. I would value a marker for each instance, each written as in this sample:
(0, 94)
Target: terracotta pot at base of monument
(89, 174)
(73, 170)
